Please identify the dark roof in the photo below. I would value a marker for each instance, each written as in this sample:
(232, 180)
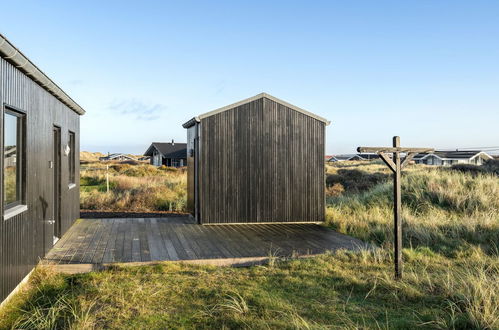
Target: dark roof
(452, 154)
(168, 149)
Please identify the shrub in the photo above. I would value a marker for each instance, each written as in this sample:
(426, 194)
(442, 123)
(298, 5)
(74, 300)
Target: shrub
(354, 180)
(335, 190)
(490, 166)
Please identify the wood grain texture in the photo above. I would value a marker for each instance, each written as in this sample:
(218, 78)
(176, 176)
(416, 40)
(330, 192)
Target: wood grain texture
(260, 162)
(26, 238)
(180, 238)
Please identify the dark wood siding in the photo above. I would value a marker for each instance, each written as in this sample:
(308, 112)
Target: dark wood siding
(22, 236)
(261, 162)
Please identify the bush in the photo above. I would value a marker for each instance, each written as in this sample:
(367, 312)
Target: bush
(490, 166)
(335, 190)
(355, 181)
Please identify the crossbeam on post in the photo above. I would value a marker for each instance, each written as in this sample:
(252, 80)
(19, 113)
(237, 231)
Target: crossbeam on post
(396, 166)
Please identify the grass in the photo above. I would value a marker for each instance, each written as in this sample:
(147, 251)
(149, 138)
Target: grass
(137, 188)
(443, 210)
(450, 271)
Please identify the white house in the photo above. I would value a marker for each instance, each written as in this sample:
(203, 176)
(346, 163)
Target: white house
(116, 157)
(441, 157)
(360, 156)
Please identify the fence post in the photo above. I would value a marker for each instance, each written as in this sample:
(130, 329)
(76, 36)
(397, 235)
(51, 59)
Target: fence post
(107, 178)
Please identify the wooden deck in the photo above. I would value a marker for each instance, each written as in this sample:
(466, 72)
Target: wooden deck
(92, 243)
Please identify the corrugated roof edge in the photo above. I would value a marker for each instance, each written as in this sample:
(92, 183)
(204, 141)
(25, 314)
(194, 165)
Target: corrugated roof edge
(13, 55)
(256, 97)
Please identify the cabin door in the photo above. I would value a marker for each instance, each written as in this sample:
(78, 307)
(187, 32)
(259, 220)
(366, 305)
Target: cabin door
(56, 172)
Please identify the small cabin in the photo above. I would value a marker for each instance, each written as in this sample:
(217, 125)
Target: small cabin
(171, 154)
(118, 157)
(447, 158)
(39, 165)
(354, 157)
(260, 160)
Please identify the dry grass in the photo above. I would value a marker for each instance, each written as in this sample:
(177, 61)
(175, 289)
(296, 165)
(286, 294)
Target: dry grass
(442, 209)
(451, 267)
(137, 188)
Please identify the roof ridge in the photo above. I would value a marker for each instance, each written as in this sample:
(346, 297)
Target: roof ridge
(254, 98)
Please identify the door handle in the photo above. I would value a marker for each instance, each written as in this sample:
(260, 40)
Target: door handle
(50, 222)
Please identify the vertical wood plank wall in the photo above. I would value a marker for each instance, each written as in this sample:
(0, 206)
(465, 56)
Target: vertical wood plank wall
(261, 162)
(21, 237)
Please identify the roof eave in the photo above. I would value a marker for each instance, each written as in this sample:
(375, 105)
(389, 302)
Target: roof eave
(13, 55)
(191, 122)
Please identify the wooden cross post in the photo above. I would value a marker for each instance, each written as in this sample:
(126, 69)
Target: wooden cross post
(396, 166)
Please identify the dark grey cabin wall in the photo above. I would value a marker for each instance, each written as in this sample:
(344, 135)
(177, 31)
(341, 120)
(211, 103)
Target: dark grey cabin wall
(261, 162)
(21, 237)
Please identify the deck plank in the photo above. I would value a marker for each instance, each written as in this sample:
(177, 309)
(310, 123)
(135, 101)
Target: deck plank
(157, 241)
(104, 241)
(249, 245)
(225, 244)
(188, 248)
(135, 241)
(84, 241)
(203, 238)
(164, 228)
(91, 245)
(110, 251)
(145, 254)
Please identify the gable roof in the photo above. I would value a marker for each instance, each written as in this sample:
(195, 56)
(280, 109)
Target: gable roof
(168, 149)
(191, 122)
(453, 154)
(115, 155)
(344, 157)
(359, 156)
(13, 55)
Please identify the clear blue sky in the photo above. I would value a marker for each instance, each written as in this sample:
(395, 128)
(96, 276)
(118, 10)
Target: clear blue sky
(425, 70)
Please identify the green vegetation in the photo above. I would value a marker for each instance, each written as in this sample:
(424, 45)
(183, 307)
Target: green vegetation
(10, 184)
(450, 272)
(137, 188)
(444, 210)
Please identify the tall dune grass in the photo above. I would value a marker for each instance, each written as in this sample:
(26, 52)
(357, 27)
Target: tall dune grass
(442, 209)
(448, 214)
(451, 266)
(137, 188)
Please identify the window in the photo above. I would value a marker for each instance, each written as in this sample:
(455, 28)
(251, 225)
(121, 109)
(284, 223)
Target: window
(13, 158)
(71, 157)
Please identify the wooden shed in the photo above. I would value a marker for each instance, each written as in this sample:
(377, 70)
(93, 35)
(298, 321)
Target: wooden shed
(39, 167)
(260, 160)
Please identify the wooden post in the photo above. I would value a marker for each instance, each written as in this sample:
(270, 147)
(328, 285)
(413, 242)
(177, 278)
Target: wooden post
(107, 178)
(397, 209)
(396, 166)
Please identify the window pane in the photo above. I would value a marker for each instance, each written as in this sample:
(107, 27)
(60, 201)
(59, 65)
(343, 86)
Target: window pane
(11, 159)
(71, 157)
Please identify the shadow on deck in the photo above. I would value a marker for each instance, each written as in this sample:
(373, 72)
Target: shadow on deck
(92, 244)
